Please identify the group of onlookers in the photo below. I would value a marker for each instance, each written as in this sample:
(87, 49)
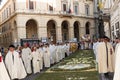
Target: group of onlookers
(85, 44)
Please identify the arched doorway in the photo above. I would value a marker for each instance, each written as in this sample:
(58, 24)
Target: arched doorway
(65, 31)
(76, 30)
(31, 29)
(51, 31)
(87, 26)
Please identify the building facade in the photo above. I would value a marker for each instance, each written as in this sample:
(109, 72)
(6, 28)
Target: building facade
(53, 19)
(113, 28)
(115, 18)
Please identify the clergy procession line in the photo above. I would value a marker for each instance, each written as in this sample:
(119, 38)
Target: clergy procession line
(16, 63)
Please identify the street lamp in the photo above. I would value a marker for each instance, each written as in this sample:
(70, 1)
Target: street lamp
(100, 23)
(101, 26)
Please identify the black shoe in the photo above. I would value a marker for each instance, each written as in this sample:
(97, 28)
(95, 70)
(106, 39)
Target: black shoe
(106, 75)
(15, 79)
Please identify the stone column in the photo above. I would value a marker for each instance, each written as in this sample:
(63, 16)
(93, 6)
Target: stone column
(71, 32)
(58, 33)
(82, 31)
(21, 33)
(14, 36)
(42, 32)
(92, 30)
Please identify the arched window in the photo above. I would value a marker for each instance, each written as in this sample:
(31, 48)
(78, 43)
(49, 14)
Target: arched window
(76, 7)
(50, 8)
(76, 30)
(87, 26)
(64, 6)
(31, 4)
(87, 10)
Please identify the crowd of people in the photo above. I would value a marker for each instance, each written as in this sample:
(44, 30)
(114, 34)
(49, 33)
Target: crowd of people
(107, 58)
(24, 60)
(17, 63)
(82, 45)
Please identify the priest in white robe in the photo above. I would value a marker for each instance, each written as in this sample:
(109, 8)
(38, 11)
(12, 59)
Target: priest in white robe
(95, 44)
(36, 57)
(106, 60)
(46, 56)
(3, 72)
(58, 53)
(63, 50)
(68, 49)
(14, 64)
(55, 55)
(95, 50)
(117, 62)
(52, 53)
(41, 52)
(26, 56)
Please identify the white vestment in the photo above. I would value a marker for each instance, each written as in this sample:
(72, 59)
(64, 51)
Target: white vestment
(41, 58)
(26, 56)
(57, 53)
(106, 57)
(35, 62)
(95, 50)
(52, 53)
(116, 48)
(117, 63)
(63, 51)
(14, 65)
(3, 72)
(68, 49)
(46, 57)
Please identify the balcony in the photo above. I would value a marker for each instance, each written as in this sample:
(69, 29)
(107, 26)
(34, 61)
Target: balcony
(46, 12)
(27, 11)
(65, 14)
